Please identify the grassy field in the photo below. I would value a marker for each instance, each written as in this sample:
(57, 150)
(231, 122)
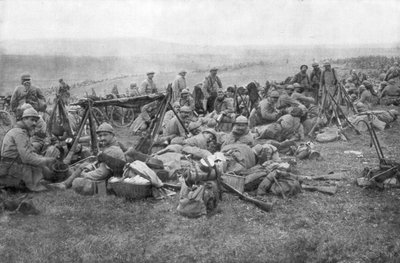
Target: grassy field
(355, 225)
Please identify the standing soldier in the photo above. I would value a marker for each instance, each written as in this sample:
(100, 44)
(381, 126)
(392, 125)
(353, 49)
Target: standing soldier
(315, 77)
(210, 86)
(178, 85)
(20, 166)
(148, 86)
(63, 92)
(27, 93)
(328, 84)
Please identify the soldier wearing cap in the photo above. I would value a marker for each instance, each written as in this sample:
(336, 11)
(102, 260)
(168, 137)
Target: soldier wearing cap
(20, 166)
(178, 85)
(390, 94)
(27, 93)
(240, 133)
(315, 77)
(302, 78)
(148, 86)
(87, 173)
(186, 99)
(211, 85)
(328, 83)
(265, 112)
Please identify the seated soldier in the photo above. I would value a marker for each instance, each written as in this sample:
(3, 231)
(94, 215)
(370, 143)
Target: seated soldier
(240, 133)
(169, 115)
(142, 122)
(390, 94)
(300, 97)
(287, 127)
(174, 128)
(265, 112)
(38, 136)
(186, 99)
(285, 101)
(88, 173)
(20, 165)
(224, 111)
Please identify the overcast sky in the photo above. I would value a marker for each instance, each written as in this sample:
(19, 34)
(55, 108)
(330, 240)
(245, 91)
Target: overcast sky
(235, 22)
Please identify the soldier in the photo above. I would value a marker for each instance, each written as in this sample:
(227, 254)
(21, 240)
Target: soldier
(27, 93)
(390, 94)
(302, 78)
(133, 90)
(174, 128)
(265, 112)
(240, 133)
(63, 92)
(210, 86)
(328, 83)
(178, 85)
(393, 72)
(20, 166)
(88, 173)
(186, 100)
(224, 111)
(148, 86)
(300, 97)
(315, 76)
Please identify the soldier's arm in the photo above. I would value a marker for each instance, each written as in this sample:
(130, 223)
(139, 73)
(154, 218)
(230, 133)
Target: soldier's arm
(26, 152)
(14, 99)
(142, 89)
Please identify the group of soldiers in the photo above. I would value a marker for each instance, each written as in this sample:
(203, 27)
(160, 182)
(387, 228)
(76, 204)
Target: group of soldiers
(281, 115)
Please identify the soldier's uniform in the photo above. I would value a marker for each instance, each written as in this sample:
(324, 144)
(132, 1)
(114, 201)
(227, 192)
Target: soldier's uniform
(265, 112)
(148, 86)
(178, 85)
(210, 86)
(32, 95)
(19, 164)
(237, 136)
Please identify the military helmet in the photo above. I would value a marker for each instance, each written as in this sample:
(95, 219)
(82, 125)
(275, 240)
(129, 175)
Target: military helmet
(182, 71)
(274, 94)
(241, 120)
(301, 67)
(25, 77)
(315, 64)
(105, 127)
(214, 69)
(186, 109)
(291, 87)
(185, 91)
(296, 85)
(326, 63)
(30, 112)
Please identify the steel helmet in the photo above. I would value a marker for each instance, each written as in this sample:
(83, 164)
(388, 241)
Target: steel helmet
(186, 109)
(25, 77)
(315, 64)
(105, 127)
(241, 120)
(185, 91)
(296, 85)
(30, 112)
(326, 63)
(291, 87)
(274, 94)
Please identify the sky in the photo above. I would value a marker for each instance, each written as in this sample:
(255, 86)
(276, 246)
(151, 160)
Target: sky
(206, 22)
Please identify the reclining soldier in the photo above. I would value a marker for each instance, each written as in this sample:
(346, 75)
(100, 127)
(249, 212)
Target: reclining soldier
(20, 166)
(88, 173)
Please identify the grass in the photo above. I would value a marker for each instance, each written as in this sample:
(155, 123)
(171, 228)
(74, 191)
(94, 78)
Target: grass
(355, 225)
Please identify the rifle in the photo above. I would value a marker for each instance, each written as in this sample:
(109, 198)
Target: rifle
(330, 190)
(267, 207)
